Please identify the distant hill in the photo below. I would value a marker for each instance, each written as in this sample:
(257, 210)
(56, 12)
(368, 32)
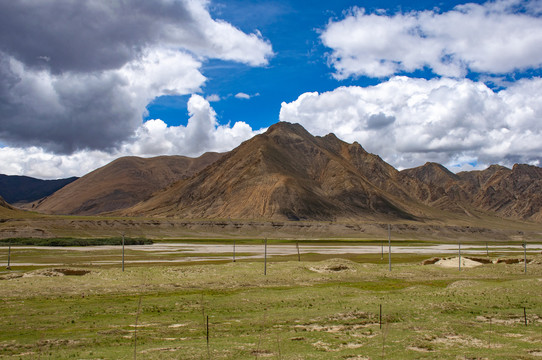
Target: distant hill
(121, 184)
(4, 204)
(16, 189)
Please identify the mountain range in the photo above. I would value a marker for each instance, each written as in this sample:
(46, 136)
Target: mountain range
(21, 189)
(288, 174)
(121, 184)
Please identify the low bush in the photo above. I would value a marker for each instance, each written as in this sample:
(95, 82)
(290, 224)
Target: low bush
(74, 241)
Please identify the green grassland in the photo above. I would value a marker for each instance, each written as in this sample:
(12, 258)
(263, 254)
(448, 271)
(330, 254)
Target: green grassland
(319, 308)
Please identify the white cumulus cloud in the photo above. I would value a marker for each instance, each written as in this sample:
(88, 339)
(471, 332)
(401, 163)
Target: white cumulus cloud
(495, 37)
(410, 121)
(84, 82)
(201, 134)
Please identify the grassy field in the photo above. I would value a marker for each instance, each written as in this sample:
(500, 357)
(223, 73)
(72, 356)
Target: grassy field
(314, 309)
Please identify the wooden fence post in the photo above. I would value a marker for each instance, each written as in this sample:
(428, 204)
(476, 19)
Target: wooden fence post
(265, 258)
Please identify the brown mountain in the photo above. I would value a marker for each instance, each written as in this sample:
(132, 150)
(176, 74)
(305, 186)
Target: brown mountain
(514, 193)
(121, 184)
(286, 173)
(436, 186)
(510, 193)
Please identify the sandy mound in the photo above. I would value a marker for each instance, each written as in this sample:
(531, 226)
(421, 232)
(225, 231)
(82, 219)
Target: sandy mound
(454, 263)
(333, 266)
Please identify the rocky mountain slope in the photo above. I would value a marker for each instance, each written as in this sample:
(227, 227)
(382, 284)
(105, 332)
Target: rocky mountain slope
(514, 193)
(121, 184)
(289, 174)
(510, 193)
(286, 173)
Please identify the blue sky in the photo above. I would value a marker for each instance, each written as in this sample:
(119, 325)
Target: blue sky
(455, 82)
(299, 63)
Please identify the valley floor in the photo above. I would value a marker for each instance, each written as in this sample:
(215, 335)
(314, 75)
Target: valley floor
(317, 308)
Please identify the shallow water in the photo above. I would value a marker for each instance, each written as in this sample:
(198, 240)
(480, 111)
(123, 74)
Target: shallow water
(201, 252)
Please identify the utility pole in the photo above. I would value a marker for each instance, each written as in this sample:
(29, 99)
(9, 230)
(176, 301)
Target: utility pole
(265, 258)
(525, 254)
(123, 252)
(9, 258)
(234, 250)
(389, 244)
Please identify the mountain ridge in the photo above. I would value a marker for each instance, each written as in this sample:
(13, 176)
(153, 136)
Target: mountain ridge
(286, 173)
(120, 184)
(24, 189)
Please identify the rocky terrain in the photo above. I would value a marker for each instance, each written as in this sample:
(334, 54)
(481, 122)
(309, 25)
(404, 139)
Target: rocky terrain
(285, 174)
(121, 184)
(288, 174)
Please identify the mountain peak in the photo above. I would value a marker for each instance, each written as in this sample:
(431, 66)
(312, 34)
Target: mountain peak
(283, 127)
(431, 173)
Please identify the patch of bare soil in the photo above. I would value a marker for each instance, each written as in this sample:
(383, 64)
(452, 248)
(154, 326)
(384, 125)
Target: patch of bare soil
(46, 273)
(431, 261)
(461, 284)
(537, 353)
(262, 353)
(531, 318)
(511, 261)
(10, 276)
(419, 349)
(162, 349)
(352, 315)
(72, 272)
(454, 340)
(454, 263)
(480, 260)
(333, 266)
(43, 273)
(176, 325)
(323, 346)
(54, 343)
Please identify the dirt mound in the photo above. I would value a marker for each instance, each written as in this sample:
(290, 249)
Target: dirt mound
(431, 261)
(511, 261)
(454, 263)
(436, 260)
(333, 266)
(49, 273)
